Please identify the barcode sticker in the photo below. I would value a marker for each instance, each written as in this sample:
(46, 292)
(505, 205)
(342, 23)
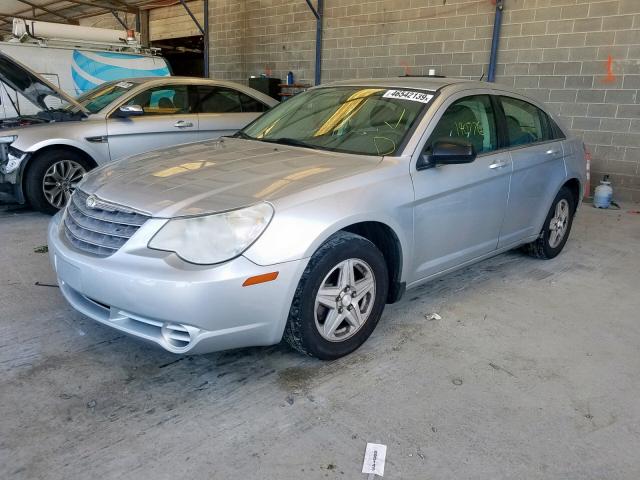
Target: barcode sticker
(374, 458)
(412, 95)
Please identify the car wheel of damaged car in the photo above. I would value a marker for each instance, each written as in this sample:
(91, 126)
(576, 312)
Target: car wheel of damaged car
(52, 178)
(339, 299)
(557, 226)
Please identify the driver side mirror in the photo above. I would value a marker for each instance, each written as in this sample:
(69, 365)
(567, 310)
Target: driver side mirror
(447, 151)
(129, 111)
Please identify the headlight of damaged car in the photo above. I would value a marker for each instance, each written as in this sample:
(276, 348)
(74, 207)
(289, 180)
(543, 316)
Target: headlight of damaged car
(214, 238)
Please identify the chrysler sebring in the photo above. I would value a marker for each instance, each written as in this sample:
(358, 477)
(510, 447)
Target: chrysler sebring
(304, 224)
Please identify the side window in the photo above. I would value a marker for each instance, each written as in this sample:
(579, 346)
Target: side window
(218, 100)
(470, 118)
(525, 122)
(163, 100)
(251, 104)
(552, 131)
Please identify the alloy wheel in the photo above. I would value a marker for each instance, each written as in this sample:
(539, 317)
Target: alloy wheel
(558, 224)
(60, 181)
(345, 300)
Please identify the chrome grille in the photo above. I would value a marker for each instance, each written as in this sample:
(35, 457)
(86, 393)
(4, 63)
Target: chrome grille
(100, 230)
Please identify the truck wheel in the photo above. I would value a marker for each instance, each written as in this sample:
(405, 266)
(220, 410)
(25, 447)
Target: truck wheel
(52, 177)
(557, 225)
(339, 299)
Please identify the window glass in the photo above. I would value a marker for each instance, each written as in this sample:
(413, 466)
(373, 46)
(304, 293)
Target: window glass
(218, 100)
(361, 120)
(250, 104)
(524, 122)
(99, 97)
(163, 100)
(470, 118)
(552, 130)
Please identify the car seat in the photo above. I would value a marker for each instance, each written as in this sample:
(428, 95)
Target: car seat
(459, 121)
(517, 136)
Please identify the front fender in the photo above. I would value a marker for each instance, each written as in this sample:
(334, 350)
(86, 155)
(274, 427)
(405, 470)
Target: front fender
(99, 152)
(297, 230)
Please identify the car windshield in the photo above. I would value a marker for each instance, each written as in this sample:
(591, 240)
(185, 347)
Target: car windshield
(99, 97)
(361, 120)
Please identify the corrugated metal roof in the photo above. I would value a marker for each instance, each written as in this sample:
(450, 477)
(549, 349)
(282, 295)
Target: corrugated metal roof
(68, 11)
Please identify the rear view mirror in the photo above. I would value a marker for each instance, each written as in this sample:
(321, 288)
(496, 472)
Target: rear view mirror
(447, 151)
(129, 111)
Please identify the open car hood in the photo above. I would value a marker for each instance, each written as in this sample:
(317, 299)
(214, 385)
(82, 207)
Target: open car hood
(31, 85)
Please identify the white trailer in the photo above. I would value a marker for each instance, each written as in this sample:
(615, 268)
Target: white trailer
(75, 58)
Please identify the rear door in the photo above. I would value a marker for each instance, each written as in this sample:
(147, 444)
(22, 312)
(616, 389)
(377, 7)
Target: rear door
(224, 111)
(459, 209)
(169, 119)
(537, 154)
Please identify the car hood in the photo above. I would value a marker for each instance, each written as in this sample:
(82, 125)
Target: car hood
(31, 85)
(218, 175)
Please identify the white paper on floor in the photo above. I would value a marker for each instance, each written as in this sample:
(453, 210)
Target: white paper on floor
(374, 457)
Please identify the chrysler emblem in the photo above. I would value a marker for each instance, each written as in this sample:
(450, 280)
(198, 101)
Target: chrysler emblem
(91, 202)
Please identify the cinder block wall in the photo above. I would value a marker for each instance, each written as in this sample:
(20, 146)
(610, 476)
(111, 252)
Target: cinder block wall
(555, 50)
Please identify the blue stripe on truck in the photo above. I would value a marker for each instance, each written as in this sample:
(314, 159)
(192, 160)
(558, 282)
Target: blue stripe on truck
(105, 72)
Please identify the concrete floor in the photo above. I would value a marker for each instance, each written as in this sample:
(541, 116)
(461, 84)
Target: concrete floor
(533, 372)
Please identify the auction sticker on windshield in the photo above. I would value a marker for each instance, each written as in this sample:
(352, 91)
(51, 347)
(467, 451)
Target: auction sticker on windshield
(408, 95)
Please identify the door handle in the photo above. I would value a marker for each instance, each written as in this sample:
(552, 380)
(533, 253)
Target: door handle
(182, 124)
(551, 152)
(495, 165)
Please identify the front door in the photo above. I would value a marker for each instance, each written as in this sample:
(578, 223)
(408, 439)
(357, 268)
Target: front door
(168, 120)
(459, 209)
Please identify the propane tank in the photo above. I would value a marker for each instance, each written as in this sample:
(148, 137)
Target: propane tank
(603, 194)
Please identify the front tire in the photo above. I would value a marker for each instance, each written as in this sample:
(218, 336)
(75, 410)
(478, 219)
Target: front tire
(52, 177)
(339, 298)
(556, 229)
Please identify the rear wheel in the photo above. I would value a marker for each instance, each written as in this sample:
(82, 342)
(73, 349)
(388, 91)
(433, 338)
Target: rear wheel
(52, 178)
(339, 299)
(557, 225)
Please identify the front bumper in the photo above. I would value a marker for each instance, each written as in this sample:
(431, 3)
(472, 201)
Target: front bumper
(11, 179)
(181, 307)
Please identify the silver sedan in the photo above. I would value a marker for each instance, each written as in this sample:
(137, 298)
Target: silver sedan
(44, 156)
(307, 222)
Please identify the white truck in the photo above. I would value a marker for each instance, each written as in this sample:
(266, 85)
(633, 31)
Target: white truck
(75, 59)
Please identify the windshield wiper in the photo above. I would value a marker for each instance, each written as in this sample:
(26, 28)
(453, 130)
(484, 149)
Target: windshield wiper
(241, 134)
(289, 141)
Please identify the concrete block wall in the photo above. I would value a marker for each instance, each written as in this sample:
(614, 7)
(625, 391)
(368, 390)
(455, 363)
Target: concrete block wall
(580, 56)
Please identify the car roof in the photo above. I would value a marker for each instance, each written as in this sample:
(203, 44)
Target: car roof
(172, 78)
(417, 82)
(138, 81)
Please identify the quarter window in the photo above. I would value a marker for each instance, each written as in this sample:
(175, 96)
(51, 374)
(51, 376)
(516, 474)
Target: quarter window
(525, 123)
(163, 100)
(470, 118)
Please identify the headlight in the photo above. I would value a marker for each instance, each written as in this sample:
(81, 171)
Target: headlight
(213, 238)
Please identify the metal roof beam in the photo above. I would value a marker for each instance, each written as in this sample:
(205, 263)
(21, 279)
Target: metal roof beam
(122, 8)
(47, 10)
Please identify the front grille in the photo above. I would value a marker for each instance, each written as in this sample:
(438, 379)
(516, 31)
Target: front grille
(100, 230)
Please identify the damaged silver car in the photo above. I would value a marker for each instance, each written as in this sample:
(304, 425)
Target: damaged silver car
(43, 156)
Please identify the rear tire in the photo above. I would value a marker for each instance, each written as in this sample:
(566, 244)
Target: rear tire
(556, 229)
(339, 298)
(52, 177)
